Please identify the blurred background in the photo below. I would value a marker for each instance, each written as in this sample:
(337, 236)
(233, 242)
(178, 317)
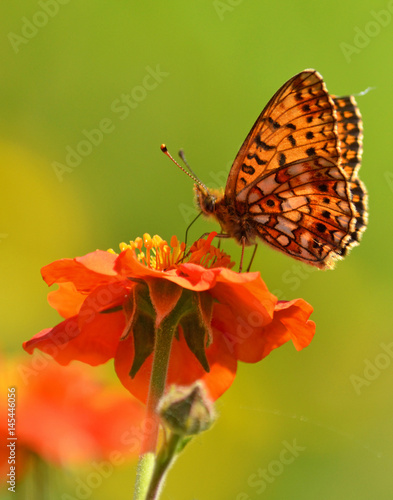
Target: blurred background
(88, 92)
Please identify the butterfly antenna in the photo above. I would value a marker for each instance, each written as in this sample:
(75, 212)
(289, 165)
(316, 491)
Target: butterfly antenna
(183, 157)
(192, 175)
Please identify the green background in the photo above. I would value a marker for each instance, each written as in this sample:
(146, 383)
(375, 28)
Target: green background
(220, 63)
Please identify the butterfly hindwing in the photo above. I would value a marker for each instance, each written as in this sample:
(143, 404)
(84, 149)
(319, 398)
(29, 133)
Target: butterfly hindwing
(303, 209)
(350, 134)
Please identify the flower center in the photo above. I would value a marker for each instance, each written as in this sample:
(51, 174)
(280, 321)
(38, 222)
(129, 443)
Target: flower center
(156, 253)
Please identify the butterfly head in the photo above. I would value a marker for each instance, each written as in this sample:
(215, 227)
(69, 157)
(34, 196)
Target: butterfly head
(206, 199)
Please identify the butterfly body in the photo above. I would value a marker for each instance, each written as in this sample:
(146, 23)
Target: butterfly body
(294, 182)
(234, 222)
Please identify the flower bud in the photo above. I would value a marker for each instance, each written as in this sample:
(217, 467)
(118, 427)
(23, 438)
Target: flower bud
(187, 410)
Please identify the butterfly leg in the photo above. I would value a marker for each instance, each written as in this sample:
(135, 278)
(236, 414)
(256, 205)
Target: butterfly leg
(219, 235)
(242, 255)
(252, 257)
(191, 223)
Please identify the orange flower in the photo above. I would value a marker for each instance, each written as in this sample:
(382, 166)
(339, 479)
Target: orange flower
(113, 304)
(64, 415)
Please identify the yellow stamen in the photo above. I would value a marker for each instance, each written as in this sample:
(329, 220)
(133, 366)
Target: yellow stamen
(161, 256)
(123, 246)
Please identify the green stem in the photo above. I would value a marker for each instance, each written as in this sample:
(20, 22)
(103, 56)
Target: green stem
(165, 458)
(143, 475)
(162, 350)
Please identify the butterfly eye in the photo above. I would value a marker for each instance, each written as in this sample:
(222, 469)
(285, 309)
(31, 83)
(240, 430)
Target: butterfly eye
(210, 204)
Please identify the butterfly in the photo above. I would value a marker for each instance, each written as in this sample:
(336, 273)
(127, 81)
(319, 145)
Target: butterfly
(294, 182)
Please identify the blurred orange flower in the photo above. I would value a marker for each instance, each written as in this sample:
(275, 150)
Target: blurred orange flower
(113, 304)
(64, 415)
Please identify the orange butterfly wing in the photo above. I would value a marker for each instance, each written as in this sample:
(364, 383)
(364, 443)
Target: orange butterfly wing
(294, 182)
(297, 123)
(350, 133)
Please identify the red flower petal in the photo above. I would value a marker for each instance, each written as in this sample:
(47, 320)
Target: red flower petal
(95, 344)
(190, 276)
(293, 315)
(85, 272)
(66, 300)
(127, 265)
(249, 298)
(250, 341)
(193, 277)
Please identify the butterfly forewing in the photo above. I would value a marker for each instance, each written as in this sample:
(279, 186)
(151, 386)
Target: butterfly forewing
(298, 123)
(294, 182)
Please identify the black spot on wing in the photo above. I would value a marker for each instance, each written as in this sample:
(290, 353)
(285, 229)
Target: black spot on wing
(262, 145)
(274, 124)
(310, 151)
(320, 227)
(257, 159)
(248, 169)
(292, 140)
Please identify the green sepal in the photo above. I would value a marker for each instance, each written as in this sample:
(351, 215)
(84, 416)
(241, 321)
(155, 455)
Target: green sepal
(196, 325)
(143, 332)
(193, 311)
(183, 442)
(195, 334)
(111, 310)
(141, 319)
